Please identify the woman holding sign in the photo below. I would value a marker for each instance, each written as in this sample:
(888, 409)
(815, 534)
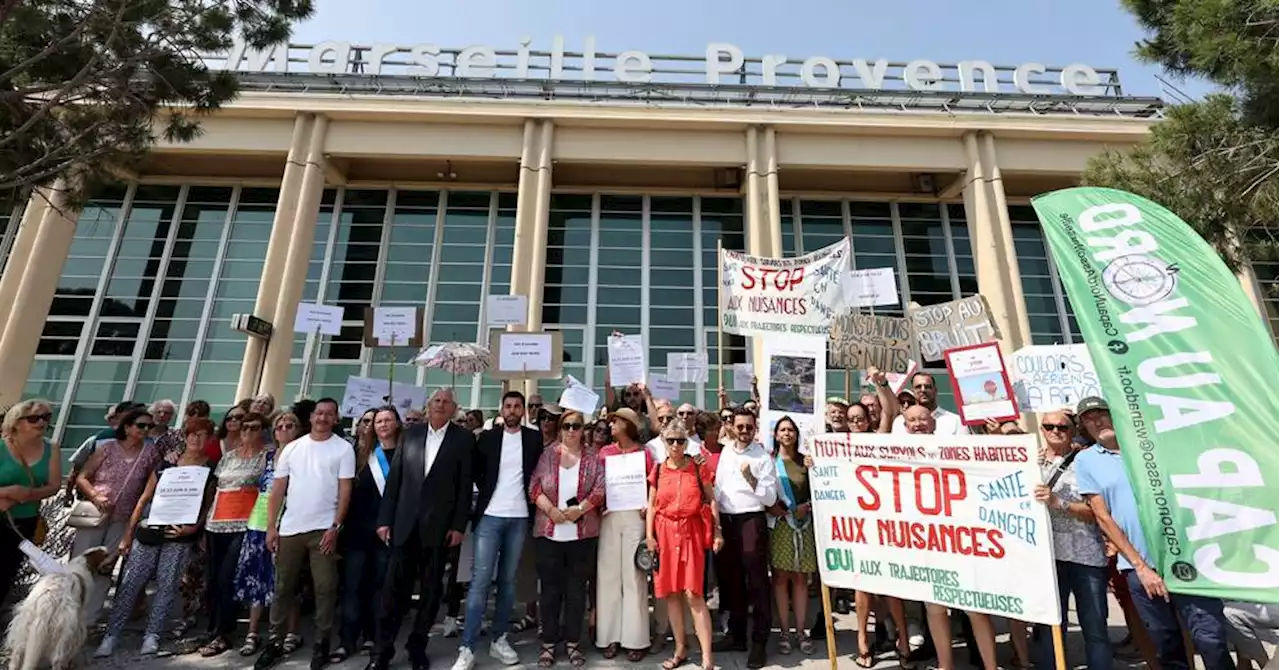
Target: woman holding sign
(161, 549)
(622, 599)
(237, 491)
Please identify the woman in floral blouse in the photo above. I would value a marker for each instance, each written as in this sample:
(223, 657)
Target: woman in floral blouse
(567, 488)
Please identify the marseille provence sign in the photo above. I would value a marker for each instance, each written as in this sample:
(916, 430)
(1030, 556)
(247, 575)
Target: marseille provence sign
(721, 63)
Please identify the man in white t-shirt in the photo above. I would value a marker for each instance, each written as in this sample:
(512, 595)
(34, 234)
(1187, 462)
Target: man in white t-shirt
(313, 475)
(926, 392)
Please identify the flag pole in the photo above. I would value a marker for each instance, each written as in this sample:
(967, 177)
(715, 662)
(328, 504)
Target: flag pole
(719, 316)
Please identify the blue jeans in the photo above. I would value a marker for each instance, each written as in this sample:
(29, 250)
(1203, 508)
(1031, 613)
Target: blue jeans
(498, 542)
(1202, 616)
(1089, 586)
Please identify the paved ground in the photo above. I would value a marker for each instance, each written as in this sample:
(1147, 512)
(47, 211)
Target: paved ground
(443, 652)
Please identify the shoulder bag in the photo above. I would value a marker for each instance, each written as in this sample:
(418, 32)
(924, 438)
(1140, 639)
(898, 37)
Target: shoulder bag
(85, 514)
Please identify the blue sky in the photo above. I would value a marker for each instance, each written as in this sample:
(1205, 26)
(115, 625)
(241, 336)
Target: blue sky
(1004, 32)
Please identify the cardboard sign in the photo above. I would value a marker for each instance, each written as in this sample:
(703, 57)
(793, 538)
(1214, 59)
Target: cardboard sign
(948, 325)
(858, 341)
(941, 520)
(782, 296)
(980, 384)
(1051, 377)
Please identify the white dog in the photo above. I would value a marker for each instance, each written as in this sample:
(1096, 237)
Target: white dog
(50, 625)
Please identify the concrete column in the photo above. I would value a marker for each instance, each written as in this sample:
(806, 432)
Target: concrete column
(34, 295)
(759, 240)
(28, 230)
(1017, 302)
(541, 222)
(772, 201)
(264, 305)
(275, 371)
(988, 247)
(523, 242)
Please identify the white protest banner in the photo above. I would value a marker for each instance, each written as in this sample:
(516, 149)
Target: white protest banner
(870, 288)
(313, 317)
(794, 384)
(742, 376)
(394, 325)
(505, 310)
(662, 387)
(797, 296)
(952, 324)
(947, 520)
(626, 360)
(179, 496)
(625, 482)
(688, 368)
(1051, 377)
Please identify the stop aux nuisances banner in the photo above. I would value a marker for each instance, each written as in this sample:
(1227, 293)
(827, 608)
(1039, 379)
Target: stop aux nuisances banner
(1190, 372)
(948, 520)
(772, 296)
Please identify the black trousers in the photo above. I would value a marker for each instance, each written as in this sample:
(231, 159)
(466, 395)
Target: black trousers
(742, 569)
(565, 569)
(453, 591)
(220, 582)
(409, 563)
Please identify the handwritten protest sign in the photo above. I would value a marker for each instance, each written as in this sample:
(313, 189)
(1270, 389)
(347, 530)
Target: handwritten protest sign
(795, 296)
(1052, 377)
(952, 324)
(941, 520)
(858, 341)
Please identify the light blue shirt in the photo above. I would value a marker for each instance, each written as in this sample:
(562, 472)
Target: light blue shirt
(1100, 471)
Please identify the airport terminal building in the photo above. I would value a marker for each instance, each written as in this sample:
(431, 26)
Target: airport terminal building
(596, 184)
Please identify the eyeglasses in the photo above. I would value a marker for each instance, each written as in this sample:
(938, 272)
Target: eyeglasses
(37, 418)
(144, 426)
(1050, 427)
(571, 426)
(676, 440)
(251, 426)
(663, 418)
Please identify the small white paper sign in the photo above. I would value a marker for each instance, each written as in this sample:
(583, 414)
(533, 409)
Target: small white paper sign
(625, 482)
(742, 374)
(313, 317)
(42, 562)
(179, 496)
(394, 325)
(524, 352)
(663, 387)
(688, 367)
(506, 310)
(626, 360)
(363, 394)
(870, 288)
(580, 398)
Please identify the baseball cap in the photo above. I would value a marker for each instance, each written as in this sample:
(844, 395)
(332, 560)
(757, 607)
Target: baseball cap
(1091, 403)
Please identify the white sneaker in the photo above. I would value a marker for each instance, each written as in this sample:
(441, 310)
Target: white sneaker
(502, 651)
(150, 645)
(915, 635)
(466, 659)
(107, 648)
(450, 627)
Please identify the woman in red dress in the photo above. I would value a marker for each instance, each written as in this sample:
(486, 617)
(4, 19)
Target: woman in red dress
(681, 524)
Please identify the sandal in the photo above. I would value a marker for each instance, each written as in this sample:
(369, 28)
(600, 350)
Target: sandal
(674, 662)
(610, 652)
(547, 657)
(636, 655)
(292, 643)
(576, 658)
(252, 643)
(525, 623)
(338, 655)
(904, 657)
(806, 643)
(865, 660)
(784, 644)
(214, 647)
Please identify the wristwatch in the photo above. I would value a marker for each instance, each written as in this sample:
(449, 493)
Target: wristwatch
(337, 527)
(884, 383)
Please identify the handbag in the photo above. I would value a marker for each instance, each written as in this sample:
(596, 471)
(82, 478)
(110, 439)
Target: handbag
(645, 560)
(85, 514)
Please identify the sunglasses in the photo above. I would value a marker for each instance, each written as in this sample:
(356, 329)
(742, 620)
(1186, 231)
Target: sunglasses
(37, 418)
(251, 426)
(726, 417)
(534, 407)
(1062, 428)
(602, 427)
(144, 426)
(572, 426)
(548, 417)
(366, 422)
(676, 440)
(286, 426)
(235, 417)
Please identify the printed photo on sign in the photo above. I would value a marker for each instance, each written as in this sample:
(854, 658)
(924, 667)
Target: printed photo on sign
(773, 296)
(981, 384)
(952, 324)
(933, 519)
(793, 384)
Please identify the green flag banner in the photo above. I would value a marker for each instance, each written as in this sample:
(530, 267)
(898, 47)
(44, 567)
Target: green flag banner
(1191, 375)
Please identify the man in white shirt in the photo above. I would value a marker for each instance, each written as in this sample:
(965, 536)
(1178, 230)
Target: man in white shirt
(926, 392)
(657, 447)
(313, 475)
(746, 485)
(502, 464)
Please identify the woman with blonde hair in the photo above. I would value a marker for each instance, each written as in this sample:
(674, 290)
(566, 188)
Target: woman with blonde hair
(28, 474)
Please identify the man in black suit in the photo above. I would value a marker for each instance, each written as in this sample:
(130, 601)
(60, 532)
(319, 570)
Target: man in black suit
(502, 465)
(423, 514)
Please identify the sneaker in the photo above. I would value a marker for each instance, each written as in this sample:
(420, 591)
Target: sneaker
(915, 634)
(107, 648)
(502, 651)
(150, 645)
(450, 627)
(466, 659)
